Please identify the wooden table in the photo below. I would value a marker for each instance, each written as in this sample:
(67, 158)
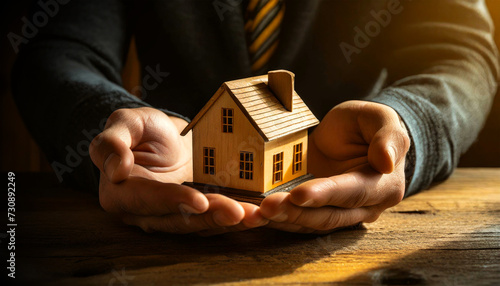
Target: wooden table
(448, 235)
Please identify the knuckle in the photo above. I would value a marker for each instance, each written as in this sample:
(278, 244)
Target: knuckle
(208, 222)
(373, 216)
(129, 117)
(333, 220)
(352, 203)
(118, 115)
(396, 196)
(294, 219)
(359, 196)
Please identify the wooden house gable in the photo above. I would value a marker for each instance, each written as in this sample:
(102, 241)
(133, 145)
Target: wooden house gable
(226, 134)
(262, 108)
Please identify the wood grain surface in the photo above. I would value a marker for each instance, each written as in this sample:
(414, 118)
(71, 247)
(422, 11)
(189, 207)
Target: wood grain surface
(448, 235)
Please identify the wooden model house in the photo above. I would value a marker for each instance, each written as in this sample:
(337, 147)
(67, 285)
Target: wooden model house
(251, 136)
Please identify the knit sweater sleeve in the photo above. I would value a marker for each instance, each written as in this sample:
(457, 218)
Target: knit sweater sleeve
(67, 81)
(442, 67)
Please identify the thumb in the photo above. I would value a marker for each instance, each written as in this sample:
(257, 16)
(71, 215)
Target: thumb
(388, 148)
(111, 151)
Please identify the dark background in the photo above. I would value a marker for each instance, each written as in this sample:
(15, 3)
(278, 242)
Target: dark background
(19, 153)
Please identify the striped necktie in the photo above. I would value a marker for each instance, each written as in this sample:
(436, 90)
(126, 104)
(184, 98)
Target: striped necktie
(262, 27)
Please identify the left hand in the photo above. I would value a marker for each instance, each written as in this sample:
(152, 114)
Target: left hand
(357, 154)
(143, 161)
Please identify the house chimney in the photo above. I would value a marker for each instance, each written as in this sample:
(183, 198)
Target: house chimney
(281, 83)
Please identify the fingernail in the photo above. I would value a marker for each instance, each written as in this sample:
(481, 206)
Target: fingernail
(188, 209)
(222, 219)
(199, 203)
(262, 222)
(111, 164)
(392, 154)
(307, 203)
(281, 217)
(259, 219)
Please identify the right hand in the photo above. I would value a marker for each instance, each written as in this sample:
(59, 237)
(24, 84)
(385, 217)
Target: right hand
(143, 162)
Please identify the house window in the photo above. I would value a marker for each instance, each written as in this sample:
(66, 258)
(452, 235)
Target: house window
(227, 120)
(209, 161)
(297, 158)
(246, 165)
(277, 167)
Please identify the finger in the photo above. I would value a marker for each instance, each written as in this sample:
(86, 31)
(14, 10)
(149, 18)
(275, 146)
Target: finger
(278, 208)
(359, 187)
(253, 218)
(111, 149)
(338, 135)
(141, 196)
(388, 148)
(388, 138)
(223, 212)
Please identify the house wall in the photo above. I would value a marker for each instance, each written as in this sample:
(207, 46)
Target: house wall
(208, 133)
(285, 145)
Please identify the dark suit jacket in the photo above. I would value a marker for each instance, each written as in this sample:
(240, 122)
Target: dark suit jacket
(433, 61)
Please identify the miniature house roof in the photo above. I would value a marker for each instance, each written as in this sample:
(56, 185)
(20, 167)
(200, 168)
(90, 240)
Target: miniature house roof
(262, 107)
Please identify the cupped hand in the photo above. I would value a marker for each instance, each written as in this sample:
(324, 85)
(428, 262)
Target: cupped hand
(143, 162)
(357, 154)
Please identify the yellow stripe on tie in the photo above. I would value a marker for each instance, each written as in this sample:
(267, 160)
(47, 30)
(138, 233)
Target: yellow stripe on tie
(257, 65)
(249, 16)
(268, 31)
(263, 12)
(263, 20)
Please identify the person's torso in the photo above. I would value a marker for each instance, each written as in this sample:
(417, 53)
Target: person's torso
(201, 44)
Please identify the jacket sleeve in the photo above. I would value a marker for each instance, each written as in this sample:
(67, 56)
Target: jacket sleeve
(442, 73)
(66, 82)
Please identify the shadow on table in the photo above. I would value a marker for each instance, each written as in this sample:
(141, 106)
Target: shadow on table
(189, 259)
(466, 250)
(65, 235)
(470, 259)
(254, 254)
